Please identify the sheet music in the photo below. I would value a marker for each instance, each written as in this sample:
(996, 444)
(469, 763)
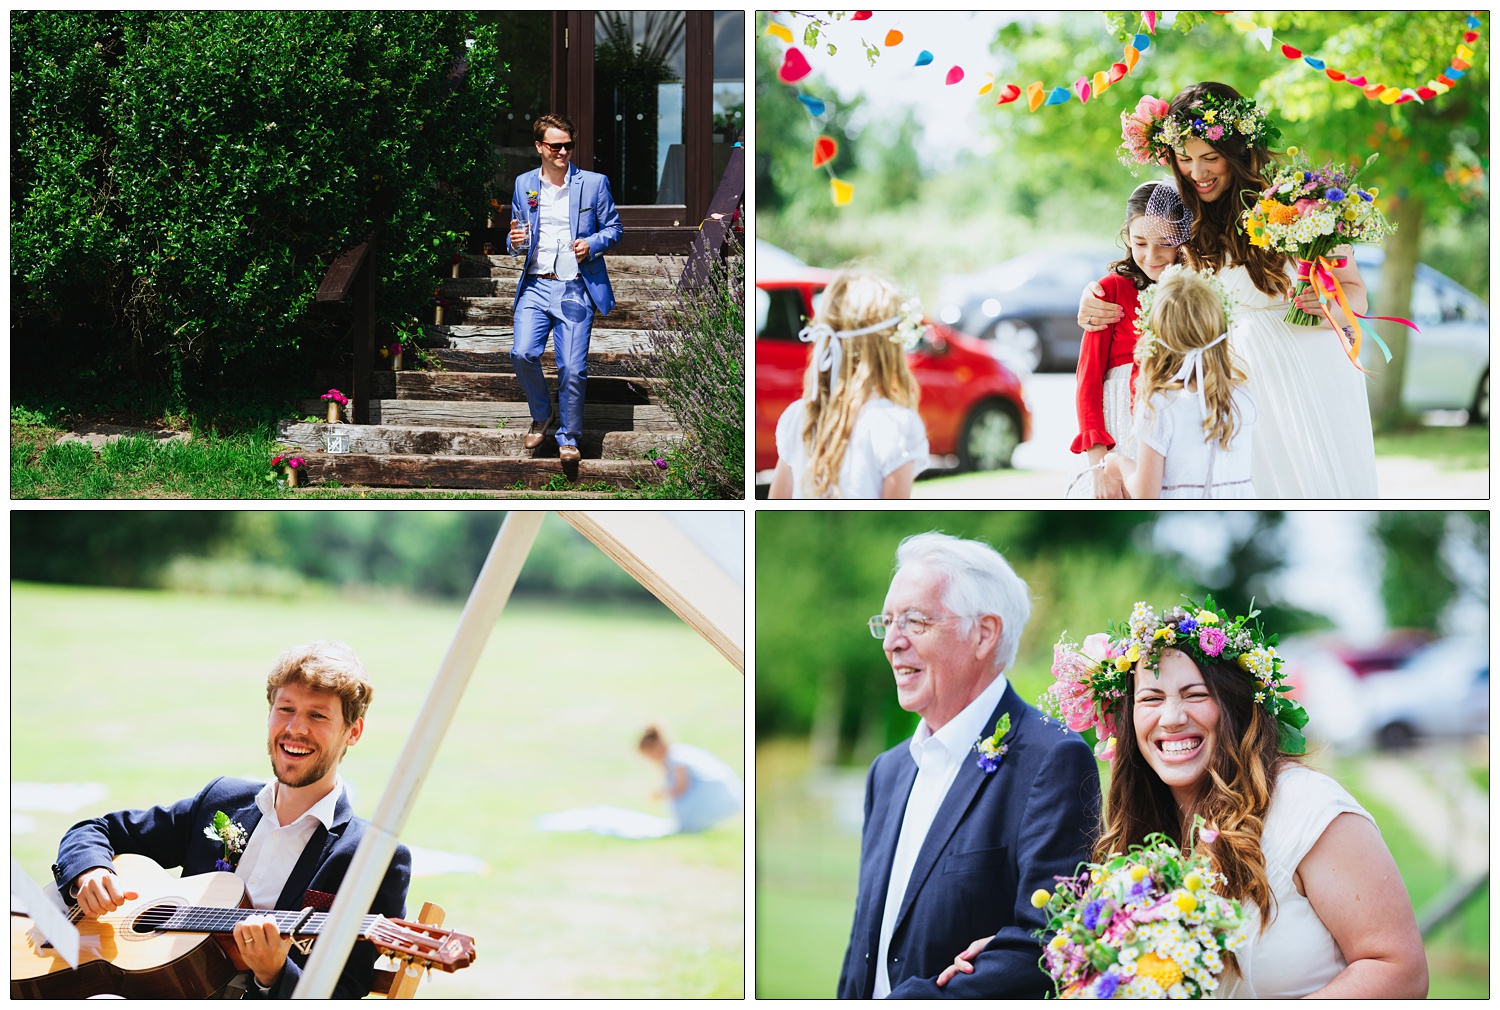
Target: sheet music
(48, 913)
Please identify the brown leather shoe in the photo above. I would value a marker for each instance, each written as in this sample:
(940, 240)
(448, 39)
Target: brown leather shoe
(539, 431)
(569, 453)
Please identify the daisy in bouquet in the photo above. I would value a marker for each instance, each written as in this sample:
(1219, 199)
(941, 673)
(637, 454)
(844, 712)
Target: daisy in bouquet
(1309, 211)
(1143, 925)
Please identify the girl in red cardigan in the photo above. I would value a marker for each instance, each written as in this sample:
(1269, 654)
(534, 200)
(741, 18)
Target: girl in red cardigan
(1156, 225)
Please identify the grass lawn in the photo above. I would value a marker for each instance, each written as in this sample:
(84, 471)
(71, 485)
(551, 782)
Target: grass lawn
(1452, 448)
(807, 866)
(208, 466)
(151, 694)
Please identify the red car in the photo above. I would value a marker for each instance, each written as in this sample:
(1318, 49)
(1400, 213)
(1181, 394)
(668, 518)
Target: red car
(972, 404)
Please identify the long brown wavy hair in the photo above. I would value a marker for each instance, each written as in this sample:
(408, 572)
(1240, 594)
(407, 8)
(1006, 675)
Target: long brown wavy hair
(871, 366)
(1218, 240)
(1188, 314)
(1242, 775)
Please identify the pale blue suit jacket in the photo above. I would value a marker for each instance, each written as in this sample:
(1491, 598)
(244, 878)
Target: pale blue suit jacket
(592, 217)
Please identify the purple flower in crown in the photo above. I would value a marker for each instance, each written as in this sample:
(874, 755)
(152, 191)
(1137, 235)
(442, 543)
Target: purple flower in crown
(1187, 626)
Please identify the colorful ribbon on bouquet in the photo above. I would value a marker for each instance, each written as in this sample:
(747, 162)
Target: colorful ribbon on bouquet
(1319, 273)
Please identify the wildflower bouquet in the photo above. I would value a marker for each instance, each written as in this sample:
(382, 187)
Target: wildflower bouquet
(1308, 212)
(1147, 925)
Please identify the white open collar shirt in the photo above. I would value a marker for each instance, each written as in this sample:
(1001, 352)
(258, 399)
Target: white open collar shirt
(552, 227)
(938, 756)
(273, 850)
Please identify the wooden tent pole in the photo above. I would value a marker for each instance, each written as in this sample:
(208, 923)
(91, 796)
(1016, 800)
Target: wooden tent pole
(490, 594)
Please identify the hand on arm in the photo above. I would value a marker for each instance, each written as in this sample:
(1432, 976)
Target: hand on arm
(1143, 477)
(1094, 313)
(1107, 481)
(1353, 884)
(964, 962)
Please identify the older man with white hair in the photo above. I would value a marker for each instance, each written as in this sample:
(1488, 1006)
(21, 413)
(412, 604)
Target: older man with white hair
(984, 805)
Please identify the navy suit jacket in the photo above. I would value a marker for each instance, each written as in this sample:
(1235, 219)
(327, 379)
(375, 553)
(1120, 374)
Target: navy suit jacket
(173, 836)
(996, 838)
(591, 216)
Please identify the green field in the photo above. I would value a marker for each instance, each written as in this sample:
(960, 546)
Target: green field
(152, 694)
(807, 870)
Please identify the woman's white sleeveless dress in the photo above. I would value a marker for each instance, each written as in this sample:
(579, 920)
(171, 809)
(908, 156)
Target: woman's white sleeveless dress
(1314, 438)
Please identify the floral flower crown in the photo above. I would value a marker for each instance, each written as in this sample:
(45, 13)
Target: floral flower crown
(1150, 134)
(1089, 680)
(1145, 345)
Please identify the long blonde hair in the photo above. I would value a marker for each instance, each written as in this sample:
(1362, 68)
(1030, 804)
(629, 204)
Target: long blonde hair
(869, 366)
(1188, 314)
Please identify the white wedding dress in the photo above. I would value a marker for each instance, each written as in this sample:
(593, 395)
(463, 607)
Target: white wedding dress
(1296, 954)
(1314, 438)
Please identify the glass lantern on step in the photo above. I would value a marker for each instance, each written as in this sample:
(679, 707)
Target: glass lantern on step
(335, 441)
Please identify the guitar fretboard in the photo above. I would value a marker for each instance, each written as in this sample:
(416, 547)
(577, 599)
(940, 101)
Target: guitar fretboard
(207, 919)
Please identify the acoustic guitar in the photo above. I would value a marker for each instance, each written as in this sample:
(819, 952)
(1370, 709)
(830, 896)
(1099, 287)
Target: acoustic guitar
(174, 941)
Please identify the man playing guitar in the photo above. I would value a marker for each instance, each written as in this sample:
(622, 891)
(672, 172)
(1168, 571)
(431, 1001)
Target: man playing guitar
(290, 840)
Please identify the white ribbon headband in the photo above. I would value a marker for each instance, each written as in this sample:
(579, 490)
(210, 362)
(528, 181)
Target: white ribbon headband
(1192, 365)
(827, 354)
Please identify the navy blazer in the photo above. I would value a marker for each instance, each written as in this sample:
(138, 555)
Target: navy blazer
(591, 216)
(173, 836)
(996, 838)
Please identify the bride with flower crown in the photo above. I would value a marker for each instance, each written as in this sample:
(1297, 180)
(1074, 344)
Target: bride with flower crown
(1191, 711)
(1314, 438)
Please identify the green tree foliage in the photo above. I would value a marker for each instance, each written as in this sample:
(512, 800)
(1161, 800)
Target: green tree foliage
(181, 181)
(109, 548)
(1417, 581)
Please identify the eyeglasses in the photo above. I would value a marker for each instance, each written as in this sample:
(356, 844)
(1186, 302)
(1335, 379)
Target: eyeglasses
(906, 624)
(566, 145)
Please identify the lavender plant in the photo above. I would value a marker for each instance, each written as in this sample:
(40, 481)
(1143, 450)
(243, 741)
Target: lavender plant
(696, 342)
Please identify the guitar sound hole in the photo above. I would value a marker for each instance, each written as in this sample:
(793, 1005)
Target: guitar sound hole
(152, 919)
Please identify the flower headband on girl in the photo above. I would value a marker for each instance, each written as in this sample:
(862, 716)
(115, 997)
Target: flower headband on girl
(1089, 680)
(826, 341)
(1150, 135)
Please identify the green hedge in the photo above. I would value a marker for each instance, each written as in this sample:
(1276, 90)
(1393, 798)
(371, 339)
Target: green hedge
(180, 182)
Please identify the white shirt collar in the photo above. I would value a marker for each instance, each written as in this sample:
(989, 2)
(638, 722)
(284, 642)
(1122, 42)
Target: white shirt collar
(322, 810)
(958, 735)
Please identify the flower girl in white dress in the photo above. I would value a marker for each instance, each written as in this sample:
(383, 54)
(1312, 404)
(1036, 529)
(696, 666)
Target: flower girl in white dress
(856, 432)
(1194, 419)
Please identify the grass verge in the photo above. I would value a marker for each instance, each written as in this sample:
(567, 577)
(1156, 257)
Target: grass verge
(1456, 448)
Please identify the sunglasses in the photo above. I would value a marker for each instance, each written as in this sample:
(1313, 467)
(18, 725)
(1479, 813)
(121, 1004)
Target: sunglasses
(558, 148)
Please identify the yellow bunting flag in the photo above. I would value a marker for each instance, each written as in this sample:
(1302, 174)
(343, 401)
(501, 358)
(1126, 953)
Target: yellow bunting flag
(989, 84)
(843, 193)
(781, 32)
(1035, 94)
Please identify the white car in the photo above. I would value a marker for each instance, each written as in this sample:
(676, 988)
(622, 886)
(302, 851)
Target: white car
(1443, 689)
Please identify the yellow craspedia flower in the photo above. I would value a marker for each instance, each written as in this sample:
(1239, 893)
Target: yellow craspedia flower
(1039, 898)
(1059, 942)
(1122, 664)
(1186, 902)
(1350, 215)
(1374, 191)
(1192, 882)
(1137, 873)
(1291, 152)
(1207, 617)
(1163, 972)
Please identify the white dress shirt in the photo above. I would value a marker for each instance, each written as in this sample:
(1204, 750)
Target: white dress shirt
(552, 227)
(938, 756)
(273, 849)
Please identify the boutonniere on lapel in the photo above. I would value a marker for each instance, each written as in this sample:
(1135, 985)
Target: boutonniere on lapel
(230, 835)
(992, 748)
(532, 198)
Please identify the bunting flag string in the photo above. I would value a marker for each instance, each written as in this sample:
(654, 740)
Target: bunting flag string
(795, 67)
(1463, 57)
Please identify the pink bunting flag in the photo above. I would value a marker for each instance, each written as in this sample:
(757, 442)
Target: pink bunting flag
(1150, 18)
(1081, 86)
(955, 74)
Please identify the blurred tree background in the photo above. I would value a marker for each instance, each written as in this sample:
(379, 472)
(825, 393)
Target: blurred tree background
(1019, 181)
(820, 575)
(281, 553)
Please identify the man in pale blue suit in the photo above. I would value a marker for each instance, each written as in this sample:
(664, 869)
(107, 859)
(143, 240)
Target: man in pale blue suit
(563, 220)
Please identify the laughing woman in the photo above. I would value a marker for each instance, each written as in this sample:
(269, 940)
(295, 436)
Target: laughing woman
(1200, 729)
